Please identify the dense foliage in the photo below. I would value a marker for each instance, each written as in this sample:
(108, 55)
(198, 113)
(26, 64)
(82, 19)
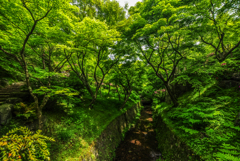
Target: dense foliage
(80, 53)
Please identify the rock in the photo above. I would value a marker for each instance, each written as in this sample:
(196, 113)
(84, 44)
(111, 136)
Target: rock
(226, 84)
(5, 113)
(14, 100)
(4, 82)
(154, 154)
(236, 76)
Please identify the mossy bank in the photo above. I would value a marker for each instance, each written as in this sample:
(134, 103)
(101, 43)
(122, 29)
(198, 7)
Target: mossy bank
(97, 139)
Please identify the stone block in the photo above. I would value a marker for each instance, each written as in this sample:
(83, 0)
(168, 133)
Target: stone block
(236, 76)
(14, 100)
(226, 84)
(5, 113)
(4, 82)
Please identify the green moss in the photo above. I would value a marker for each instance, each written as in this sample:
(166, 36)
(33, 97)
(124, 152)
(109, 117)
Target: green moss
(83, 126)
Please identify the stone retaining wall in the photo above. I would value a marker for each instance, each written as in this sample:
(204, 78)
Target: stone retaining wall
(104, 146)
(170, 145)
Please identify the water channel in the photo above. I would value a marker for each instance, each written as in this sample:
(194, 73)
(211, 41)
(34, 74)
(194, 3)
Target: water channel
(140, 142)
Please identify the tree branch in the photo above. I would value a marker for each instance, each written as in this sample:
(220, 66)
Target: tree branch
(12, 55)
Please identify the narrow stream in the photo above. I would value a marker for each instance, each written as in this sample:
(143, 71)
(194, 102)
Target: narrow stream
(140, 143)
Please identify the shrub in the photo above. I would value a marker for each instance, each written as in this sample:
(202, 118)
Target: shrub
(24, 111)
(65, 135)
(74, 82)
(134, 97)
(25, 146)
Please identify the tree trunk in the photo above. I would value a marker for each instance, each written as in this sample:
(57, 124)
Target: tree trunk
(88, 88)
(125, 93)
(100, 92)
(94, 98)
(43, 61)
(22, 54)
(92, 103)
(177, 70)
(118, 93)
(109, 89)
(40, 120)
(37, 107)
(171, 95)
(237, 120)
(125, 101)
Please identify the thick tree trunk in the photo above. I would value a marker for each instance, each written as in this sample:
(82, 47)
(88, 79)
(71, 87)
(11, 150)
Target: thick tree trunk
(22, 54)
(40, 120)
(39, 112)
(37, 107)
(44, 102)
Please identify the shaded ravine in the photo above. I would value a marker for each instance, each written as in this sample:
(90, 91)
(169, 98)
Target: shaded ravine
(140, 142)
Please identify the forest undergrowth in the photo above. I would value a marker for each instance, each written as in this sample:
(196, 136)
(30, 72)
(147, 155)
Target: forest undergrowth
(97, 58)
(74, 133)
(206, 123)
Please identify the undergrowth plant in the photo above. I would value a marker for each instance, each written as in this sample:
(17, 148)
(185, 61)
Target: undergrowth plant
(24, 111)
(65, 135)
(22, 144)
(206, 124)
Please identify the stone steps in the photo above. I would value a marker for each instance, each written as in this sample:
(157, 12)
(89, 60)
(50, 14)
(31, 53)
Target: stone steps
(10, 92)
(16, 94)
(3, 99)
(4, 90)
(4, 95)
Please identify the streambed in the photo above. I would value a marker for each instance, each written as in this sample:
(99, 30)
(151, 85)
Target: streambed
(140, 142)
